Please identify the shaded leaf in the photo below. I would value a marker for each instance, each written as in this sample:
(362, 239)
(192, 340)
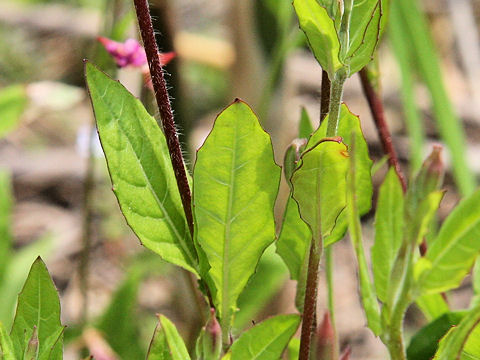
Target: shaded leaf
(235, 185)
(38, 307)
(267, 340)
(167, 344)
(388, 231)
(432, 306)
(452, 253)
(141, 170)
(424, 343)
(305, 128)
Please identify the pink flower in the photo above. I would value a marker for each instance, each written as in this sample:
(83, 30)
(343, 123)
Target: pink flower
(131, 53)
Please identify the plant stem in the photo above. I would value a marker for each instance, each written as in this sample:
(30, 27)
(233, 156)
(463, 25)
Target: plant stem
(378, 114)
(165, 109)
(324, 95)
(310, 303)
(336, 93)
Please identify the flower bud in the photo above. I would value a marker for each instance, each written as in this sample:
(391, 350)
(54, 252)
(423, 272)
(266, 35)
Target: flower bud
(326, 342)
(430, 176)
(32, 346)
(209, 344)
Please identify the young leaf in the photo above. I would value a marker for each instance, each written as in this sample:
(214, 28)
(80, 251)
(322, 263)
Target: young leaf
(305, 128)
(293, 242)
(424, 343)
(167, 344)
(267, 340)
(432, 306)
(38, 307)
(13, 100)
(349, 128)
(388, 231)
(5, 208)
(452, 344)
(367, 292)
(235, 185)
(7, 351)
(367, 23)
(319, 186)
(452, 253)
(141, 171)
(321, 34)
(261, 288)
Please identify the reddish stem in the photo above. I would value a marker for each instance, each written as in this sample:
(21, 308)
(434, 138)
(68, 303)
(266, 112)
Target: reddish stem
(165, 109)
(310, 303)
(324, 95)
(378, 114)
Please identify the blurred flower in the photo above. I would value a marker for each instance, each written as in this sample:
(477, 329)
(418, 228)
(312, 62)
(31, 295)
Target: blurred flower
(131, 53)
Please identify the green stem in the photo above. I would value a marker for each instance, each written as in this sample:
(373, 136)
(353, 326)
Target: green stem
(336, 93)
(344, 34)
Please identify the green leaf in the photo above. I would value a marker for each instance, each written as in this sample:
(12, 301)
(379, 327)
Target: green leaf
(350, 124)
(141, 170)
(305, 128)
(13, 101)
(319, 186)
(367, 292)
(261, 288)
(367, 23)
(38, 306)
(167, 344)
(452, 253)
(17, 270)
(7, 351)
(388, 231)
(432, 306)
(118, 322)
(235, 185)
(452, 344)
(5, 210)
(321, 34)
(293, 242)
(267, 340)
(424, 343)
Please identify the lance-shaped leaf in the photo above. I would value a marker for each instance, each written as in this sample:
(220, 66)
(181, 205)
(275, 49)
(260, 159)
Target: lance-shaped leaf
(367, 291)
(38, 307)
(349, 128)
(321, 34)
(167, 344)
(453, 343)
(267, 340)
(235, 185)
(141, 170)
(319, 186)
(7, 350)
(388, 231)
(367, 23)
(452, 253)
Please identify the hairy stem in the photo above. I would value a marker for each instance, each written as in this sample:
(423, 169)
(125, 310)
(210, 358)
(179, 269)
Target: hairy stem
(165, 109)
(310, 302)
(378, 114)
(336, 93)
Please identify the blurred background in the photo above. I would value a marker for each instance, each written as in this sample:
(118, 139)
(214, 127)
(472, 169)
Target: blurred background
(55, 193)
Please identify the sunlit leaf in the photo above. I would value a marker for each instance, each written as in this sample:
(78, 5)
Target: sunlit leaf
(235, 186)
(167, 344)
(141, 170)
(7, 351)
(388, 231)
(454, 250)
(5, 210)
(267, 340)
(321, 34)
(38, 307)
